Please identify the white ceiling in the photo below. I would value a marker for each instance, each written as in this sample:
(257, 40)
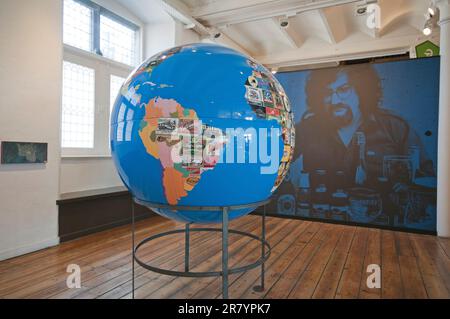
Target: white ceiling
(148, 11)
(318, 29)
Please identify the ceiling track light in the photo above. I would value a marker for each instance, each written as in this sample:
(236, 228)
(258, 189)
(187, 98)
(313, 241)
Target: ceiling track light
(431, 9)
(431, 18)
(284, 22)
(428, 28)
(214, 33)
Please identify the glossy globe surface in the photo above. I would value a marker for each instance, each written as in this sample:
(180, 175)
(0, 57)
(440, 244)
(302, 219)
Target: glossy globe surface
(201, 125)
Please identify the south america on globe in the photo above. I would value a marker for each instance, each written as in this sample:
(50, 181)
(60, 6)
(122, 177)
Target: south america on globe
(201, 125)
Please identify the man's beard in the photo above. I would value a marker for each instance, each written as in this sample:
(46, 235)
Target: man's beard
(341, 115)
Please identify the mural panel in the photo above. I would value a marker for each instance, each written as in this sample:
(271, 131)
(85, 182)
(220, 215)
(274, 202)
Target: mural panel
(366, 145)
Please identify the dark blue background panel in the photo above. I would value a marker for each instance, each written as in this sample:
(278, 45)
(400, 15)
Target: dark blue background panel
(366, 144)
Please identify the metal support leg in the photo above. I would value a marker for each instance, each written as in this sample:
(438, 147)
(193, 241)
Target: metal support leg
(186, 247)
(225, 253)
(132, 240)
(263, 247)
(260, 288)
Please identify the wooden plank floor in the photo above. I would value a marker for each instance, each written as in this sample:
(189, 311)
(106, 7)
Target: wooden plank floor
(309, 260)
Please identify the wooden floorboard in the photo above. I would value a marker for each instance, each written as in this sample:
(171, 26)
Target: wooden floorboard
(308, 280)
(372, 255)
(350, 279)
(308, 260)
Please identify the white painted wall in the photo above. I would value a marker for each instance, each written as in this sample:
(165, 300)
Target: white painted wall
(185, 36)
(80, 174)
(119, 9)
(159, 36)
(30, 100)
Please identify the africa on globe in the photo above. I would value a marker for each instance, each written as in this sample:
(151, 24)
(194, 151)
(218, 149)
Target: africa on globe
(201, 125)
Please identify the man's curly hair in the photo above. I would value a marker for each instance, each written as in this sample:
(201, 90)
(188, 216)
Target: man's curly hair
(362, 77)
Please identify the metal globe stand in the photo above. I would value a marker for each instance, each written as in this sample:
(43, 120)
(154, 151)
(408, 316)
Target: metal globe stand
(226, 271)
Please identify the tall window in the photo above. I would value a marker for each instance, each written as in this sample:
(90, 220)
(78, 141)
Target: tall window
(77, 106)
(101, 49)
(77, 30)
(117, 42)
(115, 84)
(90, 27)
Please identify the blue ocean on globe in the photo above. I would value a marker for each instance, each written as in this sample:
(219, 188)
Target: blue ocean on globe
(180, 102)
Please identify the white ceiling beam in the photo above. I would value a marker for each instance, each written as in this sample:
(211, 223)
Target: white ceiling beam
(180, 11)
(375, 33)
(335, 23)
(340, 52)
(260, 11)
(296, 67)
(337, 58)
(292, 36)
(227, 40)
(189, 26)
(389, 23)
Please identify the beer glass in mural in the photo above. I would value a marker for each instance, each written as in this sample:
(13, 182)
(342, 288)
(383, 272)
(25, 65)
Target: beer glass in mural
(366, 144)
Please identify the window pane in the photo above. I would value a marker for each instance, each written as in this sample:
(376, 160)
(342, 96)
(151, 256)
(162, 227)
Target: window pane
(117, 42)
(77, 25)
(114, 88)
(115, 85)
(77, 106)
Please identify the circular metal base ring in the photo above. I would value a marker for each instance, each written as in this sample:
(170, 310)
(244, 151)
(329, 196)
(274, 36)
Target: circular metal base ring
(204, 273)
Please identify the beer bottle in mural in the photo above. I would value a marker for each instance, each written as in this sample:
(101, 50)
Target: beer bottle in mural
(414, 153)
(360, 174)
(304, 195)
(339, 199)
(321, 205)
(388, 207)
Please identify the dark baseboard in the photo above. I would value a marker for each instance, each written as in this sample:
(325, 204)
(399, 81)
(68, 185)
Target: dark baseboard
(84, 213)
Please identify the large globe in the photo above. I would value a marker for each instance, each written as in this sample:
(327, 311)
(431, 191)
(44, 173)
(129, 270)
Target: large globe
(201, 125)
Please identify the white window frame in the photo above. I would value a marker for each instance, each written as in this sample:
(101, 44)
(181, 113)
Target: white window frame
(97, 11)
(103, 69)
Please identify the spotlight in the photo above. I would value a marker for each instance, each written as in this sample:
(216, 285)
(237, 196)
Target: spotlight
(361, 10)
(428, 27)
(431, 10)
(427, 31)
(274, 71)
(284, 22)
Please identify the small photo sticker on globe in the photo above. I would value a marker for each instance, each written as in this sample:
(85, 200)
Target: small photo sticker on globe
(253, 95)
(286, 153)
(167, 125)
(23, 153)
(189, 126)
(287, 105)
(267, 96)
